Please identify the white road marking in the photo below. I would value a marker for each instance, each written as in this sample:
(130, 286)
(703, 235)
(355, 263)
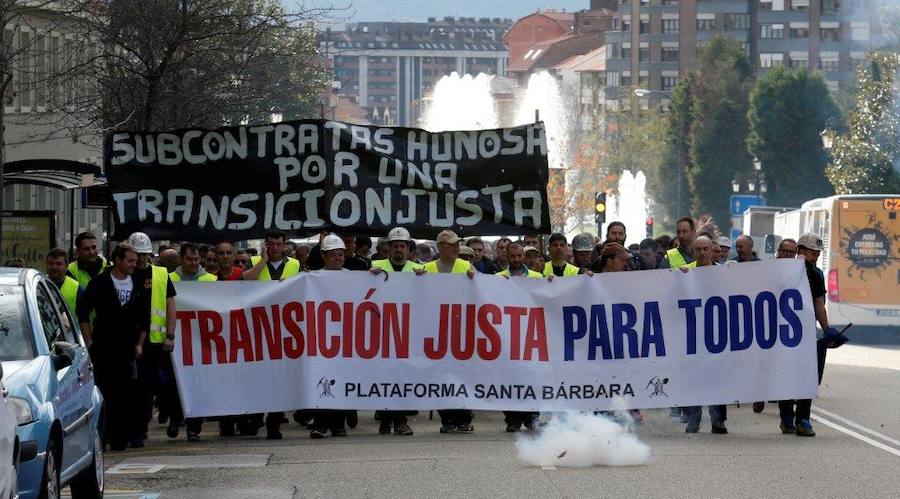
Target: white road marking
(857, 426)
(858, 436)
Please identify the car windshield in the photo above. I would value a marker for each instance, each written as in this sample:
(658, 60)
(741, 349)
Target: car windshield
(15, 341)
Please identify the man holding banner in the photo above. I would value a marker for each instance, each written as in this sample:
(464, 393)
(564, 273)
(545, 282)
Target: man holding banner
(325, 420)
(702, 251)
(399, 240)
(452, 420)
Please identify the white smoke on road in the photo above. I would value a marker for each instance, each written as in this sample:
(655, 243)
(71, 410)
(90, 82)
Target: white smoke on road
(582, 440)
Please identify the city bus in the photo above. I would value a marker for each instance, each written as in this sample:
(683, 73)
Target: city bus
(861, 258)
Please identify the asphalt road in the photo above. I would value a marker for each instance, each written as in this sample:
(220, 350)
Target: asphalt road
(855, 454)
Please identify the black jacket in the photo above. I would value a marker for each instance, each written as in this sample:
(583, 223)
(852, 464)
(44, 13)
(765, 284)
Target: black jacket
(116, 327)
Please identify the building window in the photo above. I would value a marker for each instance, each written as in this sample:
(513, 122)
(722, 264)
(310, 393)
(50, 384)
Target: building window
(626, 79)
(831, 6)
(612, 51)
(613, 78)
(799, 30)
(765, 4)
(829, 61)
(706, 23)
(799, 4)
(25, 70)
(670, 54)
(668, 82)
(830, 32)
(770, 59)
(771, 31)
(643, 79)
(859, 31)
(626, 51)
(669, 2)
(9, 99)
(644, 53)
(799, 59)
(670, 26)
(736, 21)
(644, 26)
(626, 24)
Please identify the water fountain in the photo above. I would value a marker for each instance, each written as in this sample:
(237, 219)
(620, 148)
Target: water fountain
(461, 103)
(473, 103)
(629, 206)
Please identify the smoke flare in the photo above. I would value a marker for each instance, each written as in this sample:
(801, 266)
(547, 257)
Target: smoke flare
(582, 440)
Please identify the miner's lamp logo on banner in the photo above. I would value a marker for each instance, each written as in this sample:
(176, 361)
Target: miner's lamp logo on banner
(600, 208)
(324, 387)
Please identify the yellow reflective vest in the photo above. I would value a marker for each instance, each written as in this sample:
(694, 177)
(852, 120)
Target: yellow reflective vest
(676, 259)
(460, 266)
(83, 277)
(386, 266)
(531, 273)
(69, 291)
(207, 277)
(570, 270)
(291, 268)
(158, 285)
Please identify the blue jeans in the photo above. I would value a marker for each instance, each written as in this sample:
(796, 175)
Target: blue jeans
(717, 414)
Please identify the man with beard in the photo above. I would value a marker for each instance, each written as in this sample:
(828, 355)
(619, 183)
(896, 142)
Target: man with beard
(515, 255)
(120, 319)
(68, 287)
(398, 239)
(684, 254)
(88, 262)
(702, 250)
(452, 420)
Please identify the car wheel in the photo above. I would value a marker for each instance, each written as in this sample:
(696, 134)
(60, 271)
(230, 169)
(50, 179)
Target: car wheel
(89, 484)
(50, 482)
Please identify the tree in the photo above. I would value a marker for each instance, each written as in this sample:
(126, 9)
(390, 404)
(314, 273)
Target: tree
(668, 184)
(865, 159)
(163, 64)
(788, 111)
(719, 128)
(26, 63)
(629, 139)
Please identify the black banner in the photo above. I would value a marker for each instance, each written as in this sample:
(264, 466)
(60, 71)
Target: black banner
(303, 177)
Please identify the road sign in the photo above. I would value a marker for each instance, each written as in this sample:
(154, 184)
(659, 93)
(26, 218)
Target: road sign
(740, 203)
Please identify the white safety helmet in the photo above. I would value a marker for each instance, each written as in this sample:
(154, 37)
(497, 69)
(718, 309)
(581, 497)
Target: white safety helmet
(398, 234)
(140, 242)
(332, 242)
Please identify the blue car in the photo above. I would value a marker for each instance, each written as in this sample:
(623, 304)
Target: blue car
(49, 377)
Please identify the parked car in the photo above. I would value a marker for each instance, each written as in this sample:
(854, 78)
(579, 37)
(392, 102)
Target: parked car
(9, 442)
(50, 380)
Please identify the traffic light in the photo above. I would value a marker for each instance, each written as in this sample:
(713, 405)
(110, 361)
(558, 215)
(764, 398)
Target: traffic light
(649, 226)
(600, 210)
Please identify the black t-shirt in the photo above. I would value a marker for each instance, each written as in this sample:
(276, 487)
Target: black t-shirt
(816, 281)
(356, 263)
(560, 271)
(398, 268)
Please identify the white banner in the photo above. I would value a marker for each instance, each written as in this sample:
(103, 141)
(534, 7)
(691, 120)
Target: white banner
(351, 340)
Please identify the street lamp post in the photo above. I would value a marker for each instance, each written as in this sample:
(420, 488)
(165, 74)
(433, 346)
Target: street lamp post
(758, 186)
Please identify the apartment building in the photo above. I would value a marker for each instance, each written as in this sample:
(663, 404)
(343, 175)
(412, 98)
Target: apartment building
(390, 66)
(654, 42)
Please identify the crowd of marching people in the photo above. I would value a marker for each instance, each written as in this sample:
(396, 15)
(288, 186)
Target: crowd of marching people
(126, 308)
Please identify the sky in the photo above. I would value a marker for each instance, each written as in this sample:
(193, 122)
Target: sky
(421, 10)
